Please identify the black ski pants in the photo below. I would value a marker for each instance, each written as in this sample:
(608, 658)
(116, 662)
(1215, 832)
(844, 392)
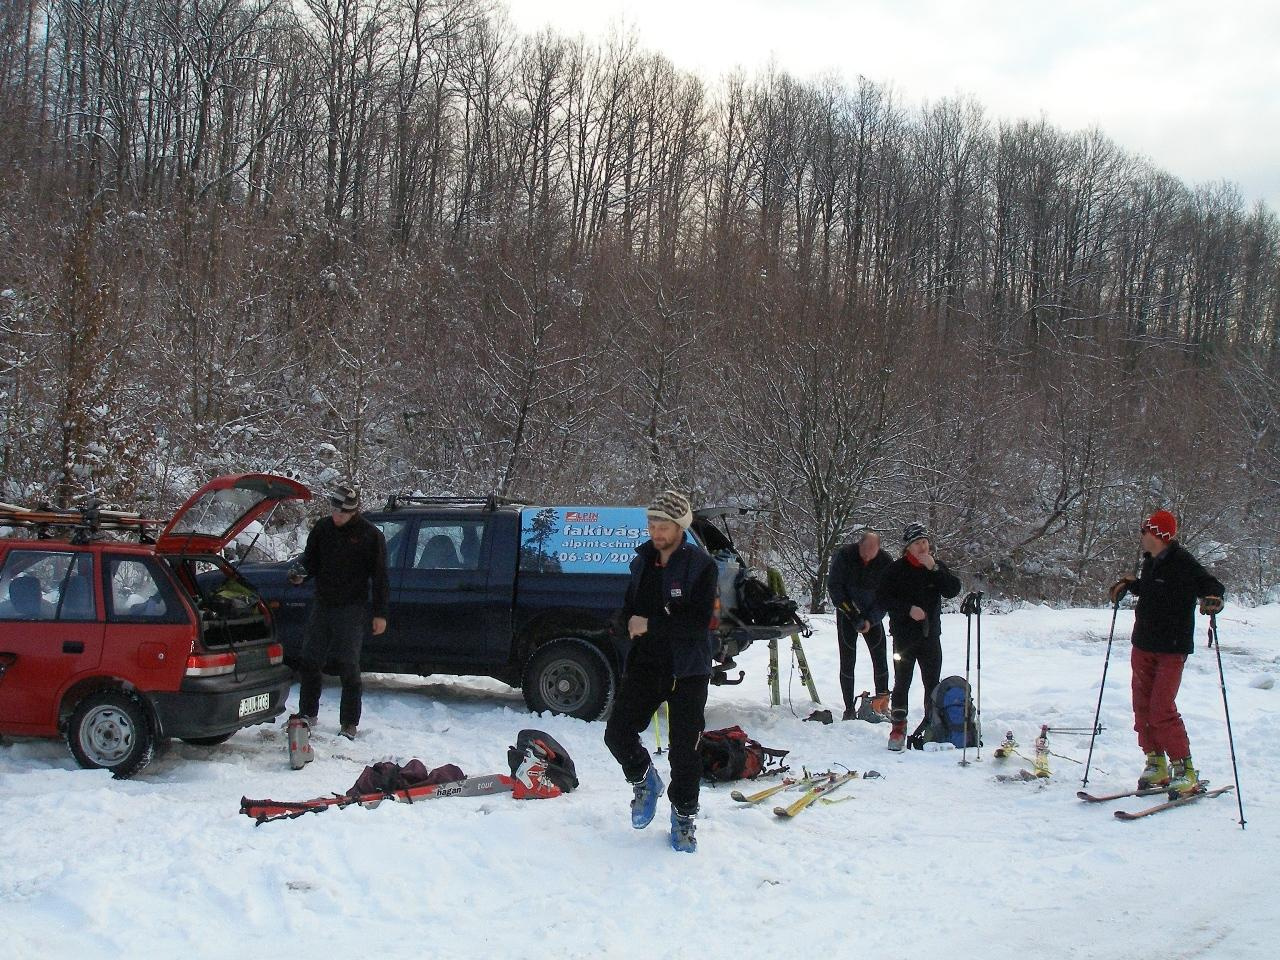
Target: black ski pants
(334, 634)
(927, 652)
(847, 637)
(648, 683)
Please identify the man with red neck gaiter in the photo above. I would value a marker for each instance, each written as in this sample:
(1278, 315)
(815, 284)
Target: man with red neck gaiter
(1167, 586)
(912, 590)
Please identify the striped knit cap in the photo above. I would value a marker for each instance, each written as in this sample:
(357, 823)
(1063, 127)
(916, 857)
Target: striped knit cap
(672, 506)
(914, 532)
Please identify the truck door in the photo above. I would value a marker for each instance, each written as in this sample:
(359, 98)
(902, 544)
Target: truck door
(446, 609)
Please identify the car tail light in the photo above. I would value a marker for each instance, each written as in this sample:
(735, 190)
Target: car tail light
(275, 654)
(715, 617)
(210, 664)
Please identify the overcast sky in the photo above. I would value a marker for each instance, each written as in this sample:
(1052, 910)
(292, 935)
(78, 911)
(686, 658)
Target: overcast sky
(1193, 86)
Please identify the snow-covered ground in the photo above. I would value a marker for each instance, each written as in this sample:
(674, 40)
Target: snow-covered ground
(932, 859)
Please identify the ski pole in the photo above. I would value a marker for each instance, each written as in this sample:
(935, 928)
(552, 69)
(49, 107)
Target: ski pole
(1111, 635)
(967, 609)
(1222, 682)
(978, 704)
(657, 729)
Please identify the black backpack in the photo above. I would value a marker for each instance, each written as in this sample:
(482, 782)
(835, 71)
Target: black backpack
(944, 719)
(761, 607)
(729, 754)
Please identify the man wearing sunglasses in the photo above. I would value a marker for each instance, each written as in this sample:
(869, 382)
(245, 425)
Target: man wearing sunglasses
(347, 557)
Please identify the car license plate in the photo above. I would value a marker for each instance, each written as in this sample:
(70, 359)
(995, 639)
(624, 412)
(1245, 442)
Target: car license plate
(255, 704)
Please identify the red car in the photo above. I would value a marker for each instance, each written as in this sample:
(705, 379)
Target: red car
(117, 645)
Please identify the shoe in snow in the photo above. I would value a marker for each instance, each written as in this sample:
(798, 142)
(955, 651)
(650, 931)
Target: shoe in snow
(1185, 779)
(644, 802)
(299, 734)
(683, 839)
(1155, 773)
(348, 730)
(875, 709)
(898, 734)
(849, 714)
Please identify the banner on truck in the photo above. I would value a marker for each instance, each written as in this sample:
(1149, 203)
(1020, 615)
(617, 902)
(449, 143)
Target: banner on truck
(580, 539)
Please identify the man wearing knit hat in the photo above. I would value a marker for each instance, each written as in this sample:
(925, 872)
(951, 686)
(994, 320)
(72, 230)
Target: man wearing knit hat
(912, 589)
(667, 616)
(1167, 587)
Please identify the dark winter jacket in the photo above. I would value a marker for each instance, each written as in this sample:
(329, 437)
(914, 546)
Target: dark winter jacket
(903, 586)
(679, 608)
(1167, 588)
(347, 562)
(853, 582)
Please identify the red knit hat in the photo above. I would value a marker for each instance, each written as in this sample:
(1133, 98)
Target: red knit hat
(1162, 524)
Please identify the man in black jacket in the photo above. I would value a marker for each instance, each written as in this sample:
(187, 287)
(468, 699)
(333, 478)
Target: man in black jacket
(912, 590)
(347, 556)
(1167, 587)
(855, 574)
(667, 615)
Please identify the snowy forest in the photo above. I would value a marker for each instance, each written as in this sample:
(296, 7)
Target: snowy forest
(398, 241)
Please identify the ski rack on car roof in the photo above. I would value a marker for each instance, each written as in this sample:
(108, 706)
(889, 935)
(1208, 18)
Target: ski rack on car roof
(491, 502)
(84, 523)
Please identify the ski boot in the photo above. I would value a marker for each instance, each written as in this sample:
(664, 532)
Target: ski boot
(1008, 747)
(348, 730)
(1185, 780)
(299, 734)
(683, 839)
(898, 734)
(880, 706)
(1155, 773)
(644, 803)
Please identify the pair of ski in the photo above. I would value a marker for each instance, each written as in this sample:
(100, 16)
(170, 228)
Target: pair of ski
(815, 788)
(1150, 792)
(264, 811)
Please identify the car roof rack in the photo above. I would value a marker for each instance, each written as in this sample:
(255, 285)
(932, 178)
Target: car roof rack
(490, 502)
(84, 523)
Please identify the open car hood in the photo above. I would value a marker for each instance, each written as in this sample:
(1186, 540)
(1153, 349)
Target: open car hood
(217, 512)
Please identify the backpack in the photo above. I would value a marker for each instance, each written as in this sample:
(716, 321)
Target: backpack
(944, 718)
(729, 754)
(760, 606)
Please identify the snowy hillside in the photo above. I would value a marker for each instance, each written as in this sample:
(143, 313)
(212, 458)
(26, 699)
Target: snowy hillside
(931, 859)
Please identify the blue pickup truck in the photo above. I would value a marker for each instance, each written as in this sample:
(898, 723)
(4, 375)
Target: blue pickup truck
(524, 594)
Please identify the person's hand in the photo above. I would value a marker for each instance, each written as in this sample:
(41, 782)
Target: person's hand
(915, 613)
(379, 625)
(929, 562)
(1118, 589)
(637, 626)
(1211, 605)
(864, 626)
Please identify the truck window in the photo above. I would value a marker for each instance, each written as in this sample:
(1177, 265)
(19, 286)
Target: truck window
(393, 531)
(448, 545)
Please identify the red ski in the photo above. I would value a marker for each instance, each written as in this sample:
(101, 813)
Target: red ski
(263, 811)
(1170, 804)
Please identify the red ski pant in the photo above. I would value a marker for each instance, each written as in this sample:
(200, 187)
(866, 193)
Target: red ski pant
(1156, 679)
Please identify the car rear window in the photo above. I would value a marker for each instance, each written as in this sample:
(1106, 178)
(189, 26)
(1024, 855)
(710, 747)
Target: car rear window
(139, 591)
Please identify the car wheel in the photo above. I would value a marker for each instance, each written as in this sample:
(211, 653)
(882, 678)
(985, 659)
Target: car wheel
(110, 730)
(569, 676)
(209, 741)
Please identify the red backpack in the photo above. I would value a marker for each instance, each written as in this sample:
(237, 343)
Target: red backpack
(729, 754)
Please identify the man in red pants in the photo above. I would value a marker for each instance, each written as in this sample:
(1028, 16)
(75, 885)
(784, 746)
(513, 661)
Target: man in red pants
(1170, 581)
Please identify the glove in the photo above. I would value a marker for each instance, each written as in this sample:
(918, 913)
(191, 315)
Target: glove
(1211, 605)
(1118, 589)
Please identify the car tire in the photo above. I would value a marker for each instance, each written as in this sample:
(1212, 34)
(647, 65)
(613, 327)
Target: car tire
(209, 741)
(111, 730)
(569, 676)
